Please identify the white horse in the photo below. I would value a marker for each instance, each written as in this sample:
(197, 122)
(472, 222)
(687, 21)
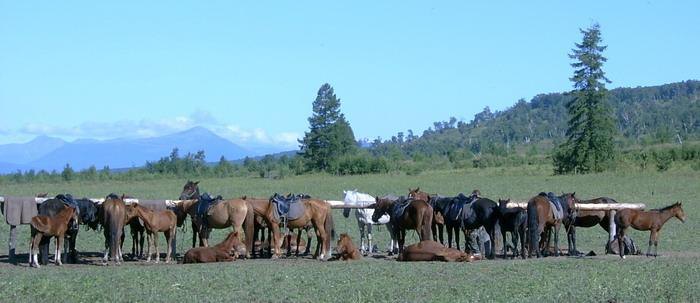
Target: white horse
(364, 219)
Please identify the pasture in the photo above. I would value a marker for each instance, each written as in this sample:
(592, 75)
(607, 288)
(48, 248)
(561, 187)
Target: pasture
(674, 276)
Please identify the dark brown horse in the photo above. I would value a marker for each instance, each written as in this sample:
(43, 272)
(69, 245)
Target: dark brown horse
(164, 221)
(513, 220)
(542, 222)
(218, 253)
(113, 214)
(50, 226)
(438, 225)
(233, 213)
(651, 220)
(418, 215)
(586, 218)
(317, 213)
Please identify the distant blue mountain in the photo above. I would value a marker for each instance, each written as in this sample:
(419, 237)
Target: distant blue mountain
(125, 153)
(23, 153)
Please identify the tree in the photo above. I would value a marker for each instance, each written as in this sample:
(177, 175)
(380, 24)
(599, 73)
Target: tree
(67, 173)
(589, 144)
(330, 135)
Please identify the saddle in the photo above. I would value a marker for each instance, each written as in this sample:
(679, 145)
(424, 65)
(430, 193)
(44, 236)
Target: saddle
(68, 200)
(205, 203)
(400, 207)
(287, 207)
(555, 202)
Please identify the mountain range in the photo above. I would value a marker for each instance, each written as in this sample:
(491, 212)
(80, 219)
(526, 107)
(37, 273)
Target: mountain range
(49, 153)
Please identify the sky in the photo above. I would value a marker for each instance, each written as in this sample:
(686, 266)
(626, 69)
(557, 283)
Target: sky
(250, 70)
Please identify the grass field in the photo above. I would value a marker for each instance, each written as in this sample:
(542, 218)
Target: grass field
(675, 276)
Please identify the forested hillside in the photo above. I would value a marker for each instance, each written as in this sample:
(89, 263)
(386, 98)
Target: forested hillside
(644, 115)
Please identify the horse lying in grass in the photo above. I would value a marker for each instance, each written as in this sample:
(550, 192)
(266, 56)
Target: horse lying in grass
(651, 220)
(429, 250)
(50, 226)
(346, 250)
(164, 221)
(218, 253)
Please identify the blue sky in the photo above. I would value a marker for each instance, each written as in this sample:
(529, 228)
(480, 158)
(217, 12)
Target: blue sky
(250, 70)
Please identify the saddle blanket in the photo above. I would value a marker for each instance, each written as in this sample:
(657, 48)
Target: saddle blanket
(19, 210)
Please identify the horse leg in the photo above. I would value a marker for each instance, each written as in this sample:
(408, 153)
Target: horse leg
(59, 245)
(402, 240)
(656, 243)
(195, 230)
(369, 238)
(449, 237)
(441, 228)
(556, 240)
(620, 236)
(455, 230)
(505, 243)
(651, 242)
(155, 244)
(149, 239)
(169, 238)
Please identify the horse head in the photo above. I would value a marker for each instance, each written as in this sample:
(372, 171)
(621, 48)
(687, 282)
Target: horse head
(381, 207)
(88, 213)
(678, 211)
(503, 203)
(190, 191)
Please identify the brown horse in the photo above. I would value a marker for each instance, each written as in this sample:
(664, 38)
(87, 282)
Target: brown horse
(163, 221)
(418, 215)
(429, 250)
(233, 213)
(542, 222)
(113, 215)
(316, 212)
(50, 226)
(347, 250)
(438, 225)
(651, 220)
(586, 218)
(218, 253)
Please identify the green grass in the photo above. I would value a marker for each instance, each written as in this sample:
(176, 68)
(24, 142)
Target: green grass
(673, 277)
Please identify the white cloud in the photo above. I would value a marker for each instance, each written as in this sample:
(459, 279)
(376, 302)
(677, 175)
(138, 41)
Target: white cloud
(150, 128)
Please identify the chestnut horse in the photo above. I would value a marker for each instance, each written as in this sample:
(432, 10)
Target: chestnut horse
(233, 213)
(542, 222)
(218, 253)
(316, 212)
(50, 226)
(429, 250)
(418, 215)
(347, 250)
(438, 219)
(651, 220)
(113, 214)
(163, 221)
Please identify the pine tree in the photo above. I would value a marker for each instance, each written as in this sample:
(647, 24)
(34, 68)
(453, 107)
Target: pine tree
(589, 145)
(330, 135)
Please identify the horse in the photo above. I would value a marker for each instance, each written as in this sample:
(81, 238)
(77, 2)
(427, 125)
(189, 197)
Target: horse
(429, 250)
(218, 253)
(417, 215)
(113, 214)
(483, 212)
(513, 220)
(87, 215)
(438, 218)
(586, 218)
(652, 221)
(316, 212)
(51, 226)
(346, 250)
(164, 221)
(233, 213)
(364, 219)
(541, 221)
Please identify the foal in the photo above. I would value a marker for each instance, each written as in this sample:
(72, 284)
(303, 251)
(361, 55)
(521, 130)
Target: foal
(45, 226)
(155, 221)
(346, 250)
(218, 253)
(651, 220)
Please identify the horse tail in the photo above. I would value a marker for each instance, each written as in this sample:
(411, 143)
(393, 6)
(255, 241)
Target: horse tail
(249, 229)
(115, 231)
(329, 225)
(532, 225)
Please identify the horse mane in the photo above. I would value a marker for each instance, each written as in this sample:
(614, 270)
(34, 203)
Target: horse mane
(666, 207)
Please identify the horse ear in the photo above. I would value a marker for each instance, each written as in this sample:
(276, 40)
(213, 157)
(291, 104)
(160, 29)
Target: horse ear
(196, 183)
(417, 189)
(573, 194)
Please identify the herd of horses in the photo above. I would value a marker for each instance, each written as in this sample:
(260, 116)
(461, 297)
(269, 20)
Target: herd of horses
(531, 228)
